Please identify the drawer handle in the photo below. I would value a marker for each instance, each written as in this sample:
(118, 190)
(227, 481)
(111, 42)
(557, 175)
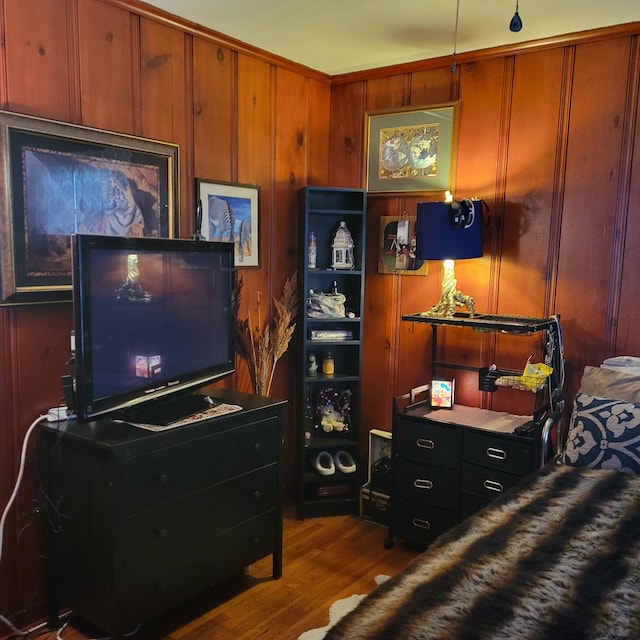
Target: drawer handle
(256, 495)
(422, 484)
(163, 478)
(421, 524)
(256, 447)
(255, 540)
(492, 485)
(161, 532)
(498, 454)
(423, 443)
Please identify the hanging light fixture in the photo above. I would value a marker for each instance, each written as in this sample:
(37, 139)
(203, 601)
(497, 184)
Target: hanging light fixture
(516, 23)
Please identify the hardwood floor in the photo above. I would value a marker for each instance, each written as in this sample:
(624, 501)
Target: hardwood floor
(325, 559)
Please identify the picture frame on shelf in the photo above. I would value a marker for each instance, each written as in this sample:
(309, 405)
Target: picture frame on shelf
(61, 179)
(411, 150)
(442, 394)
(397, 247)
(229, 212)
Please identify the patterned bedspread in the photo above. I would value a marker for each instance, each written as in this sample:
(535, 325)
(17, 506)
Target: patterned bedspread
(557, 559)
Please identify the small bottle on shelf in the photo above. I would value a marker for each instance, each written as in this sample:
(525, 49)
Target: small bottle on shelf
(312, 251)
(328, 364)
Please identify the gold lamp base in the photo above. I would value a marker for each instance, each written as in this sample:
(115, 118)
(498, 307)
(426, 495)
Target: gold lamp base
(451, 297)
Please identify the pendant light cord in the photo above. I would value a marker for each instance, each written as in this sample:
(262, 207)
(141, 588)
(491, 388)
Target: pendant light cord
(455, 37)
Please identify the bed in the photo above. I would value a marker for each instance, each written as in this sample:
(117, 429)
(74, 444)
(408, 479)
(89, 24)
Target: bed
(558, 556)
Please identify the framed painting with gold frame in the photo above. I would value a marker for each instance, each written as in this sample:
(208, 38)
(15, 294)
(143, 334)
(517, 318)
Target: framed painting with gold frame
(397, 247)
(59, 179)
(411, 151)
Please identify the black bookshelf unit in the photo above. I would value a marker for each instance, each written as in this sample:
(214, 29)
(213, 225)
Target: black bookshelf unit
(322, 210)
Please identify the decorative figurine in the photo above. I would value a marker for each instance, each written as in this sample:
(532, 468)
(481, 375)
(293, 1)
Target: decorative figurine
(342, 248)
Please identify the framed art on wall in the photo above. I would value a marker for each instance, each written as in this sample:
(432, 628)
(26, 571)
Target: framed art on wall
(229, 212)
(59, 179)
(412, 150)
(398, 247)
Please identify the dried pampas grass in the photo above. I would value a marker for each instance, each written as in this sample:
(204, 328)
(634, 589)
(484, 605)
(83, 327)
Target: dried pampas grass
(262, 346)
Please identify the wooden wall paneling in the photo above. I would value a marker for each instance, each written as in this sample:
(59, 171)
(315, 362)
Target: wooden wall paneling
(106, 59)
(41, 350)
(215, 122)
(291, 125)
(529, 216)
(590, 192)
(434, 86)
(43, 46)
(255, 153)
(166, 105)
(9, 435)
(346, 140)
(628, 336)
(318, 132)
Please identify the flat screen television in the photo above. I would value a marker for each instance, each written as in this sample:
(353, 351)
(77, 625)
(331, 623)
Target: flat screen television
(154, 323)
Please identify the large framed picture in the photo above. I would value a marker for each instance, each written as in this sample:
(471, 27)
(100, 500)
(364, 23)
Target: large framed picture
(412, 150)
(229, 212)
(398, 247)
(59, 179)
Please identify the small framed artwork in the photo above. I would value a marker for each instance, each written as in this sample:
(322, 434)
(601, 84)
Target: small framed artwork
(228, 212)
(398, 247)
(60, 179)
(412, 150)
(442, 393)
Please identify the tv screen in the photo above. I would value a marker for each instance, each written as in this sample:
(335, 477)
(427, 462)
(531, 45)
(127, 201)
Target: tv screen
(154, 321)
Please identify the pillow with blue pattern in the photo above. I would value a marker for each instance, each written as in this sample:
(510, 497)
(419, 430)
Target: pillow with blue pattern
(604, 434)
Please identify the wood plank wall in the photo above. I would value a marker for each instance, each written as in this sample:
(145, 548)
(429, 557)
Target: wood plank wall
(549, 139)
(548, 136)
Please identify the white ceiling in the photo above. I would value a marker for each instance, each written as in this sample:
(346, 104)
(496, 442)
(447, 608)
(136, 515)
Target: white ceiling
(341, 36)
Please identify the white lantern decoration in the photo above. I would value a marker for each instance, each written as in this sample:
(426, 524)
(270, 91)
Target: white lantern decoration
(342, 248)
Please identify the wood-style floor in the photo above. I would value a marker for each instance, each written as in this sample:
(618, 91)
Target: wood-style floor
(325, 559)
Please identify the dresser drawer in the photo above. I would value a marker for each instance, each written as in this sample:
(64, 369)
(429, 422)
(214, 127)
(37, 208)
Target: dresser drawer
(166, 474)
(485, 482)
(178, 576)
(427, 442)
(426, 483)
(153, 533)
(420, 522)
(504, 453)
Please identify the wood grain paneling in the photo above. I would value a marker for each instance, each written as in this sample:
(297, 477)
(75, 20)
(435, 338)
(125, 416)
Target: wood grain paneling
(44, 46)
(106, 60)
(214, 129)
(165, 104)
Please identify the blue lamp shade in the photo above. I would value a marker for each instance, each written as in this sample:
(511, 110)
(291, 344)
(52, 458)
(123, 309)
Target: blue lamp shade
(449, 231)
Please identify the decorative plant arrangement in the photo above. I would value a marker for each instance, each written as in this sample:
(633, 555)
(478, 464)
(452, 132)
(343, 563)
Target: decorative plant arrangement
(263, 344)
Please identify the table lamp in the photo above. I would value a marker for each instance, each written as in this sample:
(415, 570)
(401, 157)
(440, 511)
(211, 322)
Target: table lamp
(449, 231)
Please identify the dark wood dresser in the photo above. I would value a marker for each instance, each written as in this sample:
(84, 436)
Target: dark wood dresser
(137, 521)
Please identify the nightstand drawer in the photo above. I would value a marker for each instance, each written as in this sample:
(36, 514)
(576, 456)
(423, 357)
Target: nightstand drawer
(167, 474)
(427, 442)
(168, 528)
(510, 454)
(419, 522)
(427, 483)
(485, 482)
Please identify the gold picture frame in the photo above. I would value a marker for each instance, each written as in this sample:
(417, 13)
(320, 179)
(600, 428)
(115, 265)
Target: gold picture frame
(397, 247)
(58, 179)
(413, 150)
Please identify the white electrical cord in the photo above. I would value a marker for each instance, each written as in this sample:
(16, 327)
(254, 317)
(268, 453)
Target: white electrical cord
(5, 513)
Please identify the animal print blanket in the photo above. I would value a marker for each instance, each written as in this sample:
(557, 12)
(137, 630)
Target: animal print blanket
(557, 558)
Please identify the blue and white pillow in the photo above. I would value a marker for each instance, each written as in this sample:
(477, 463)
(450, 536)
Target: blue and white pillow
(604, 434)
